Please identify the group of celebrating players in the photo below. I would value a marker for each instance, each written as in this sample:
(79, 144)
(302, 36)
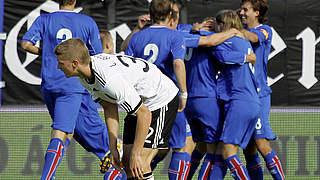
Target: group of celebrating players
(200, 90)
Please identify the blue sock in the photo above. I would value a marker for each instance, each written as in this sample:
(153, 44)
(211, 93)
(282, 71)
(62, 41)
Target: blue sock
(66, 144)
(218, 168)
(177, 166)
(52, 158)
(274, 165)
(188, 164)
(254, 167)
(237, 168)
(195, 161)
(205, 169)
(113, 174)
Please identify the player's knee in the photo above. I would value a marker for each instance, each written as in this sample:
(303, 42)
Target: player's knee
(263, 146)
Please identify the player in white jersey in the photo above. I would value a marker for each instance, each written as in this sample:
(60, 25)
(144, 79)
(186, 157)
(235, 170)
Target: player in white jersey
(138, 87)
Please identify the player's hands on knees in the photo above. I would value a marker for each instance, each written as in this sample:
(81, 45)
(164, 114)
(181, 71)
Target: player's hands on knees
(136, 165)
(115, 159)
(182, 103)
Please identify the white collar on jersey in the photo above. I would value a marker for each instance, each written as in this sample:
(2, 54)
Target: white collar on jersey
(258, 25)
(66, 10)
(158, 26)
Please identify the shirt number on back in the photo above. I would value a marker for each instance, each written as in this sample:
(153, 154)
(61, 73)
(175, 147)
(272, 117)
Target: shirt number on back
(64, 34)
(155, 51)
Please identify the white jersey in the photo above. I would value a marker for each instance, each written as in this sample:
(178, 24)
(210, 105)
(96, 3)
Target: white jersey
(129, 82)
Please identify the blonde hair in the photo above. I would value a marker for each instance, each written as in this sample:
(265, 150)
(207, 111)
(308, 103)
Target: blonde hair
(106, 38)
(230, 19)
(71, 49)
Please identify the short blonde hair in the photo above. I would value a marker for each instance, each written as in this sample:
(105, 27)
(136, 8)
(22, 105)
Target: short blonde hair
(71, 49)
(106, 38)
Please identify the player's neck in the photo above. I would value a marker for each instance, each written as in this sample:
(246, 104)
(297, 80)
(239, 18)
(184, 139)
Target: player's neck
(67, 7)
(162, 23)
(253, 24)
(85, 71)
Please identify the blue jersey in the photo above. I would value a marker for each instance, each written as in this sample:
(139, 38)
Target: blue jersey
(191, 40)
(54, 28)
(236, 80)
(262, 50)
(201, 73)
(159, 45)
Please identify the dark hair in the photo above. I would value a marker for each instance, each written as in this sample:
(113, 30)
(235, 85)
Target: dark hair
(261, 6)
(160, 10)
(66, 2)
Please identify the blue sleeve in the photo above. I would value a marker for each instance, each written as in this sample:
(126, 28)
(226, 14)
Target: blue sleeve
(263, 33)
(94, 46)
(191, 40)
(184, 27)
(129, 51)
(34, 33)
(225, 54)
(178, 47)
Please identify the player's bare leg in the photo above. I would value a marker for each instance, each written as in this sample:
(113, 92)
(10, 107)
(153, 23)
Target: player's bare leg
(147, 154)
(198, 153)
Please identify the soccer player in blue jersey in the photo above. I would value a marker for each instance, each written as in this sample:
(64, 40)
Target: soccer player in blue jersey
(253, 14)
(202, 108)
(237, 92)
(165, 48)
(71, 108)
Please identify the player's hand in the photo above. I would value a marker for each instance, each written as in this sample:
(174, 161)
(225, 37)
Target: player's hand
(143, 20)
(136, 166)
(236, 32)
(182, 103)
(115, 159)
(251, 58)
(196, 26)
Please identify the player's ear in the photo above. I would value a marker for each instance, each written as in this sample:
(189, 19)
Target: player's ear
(75, 62)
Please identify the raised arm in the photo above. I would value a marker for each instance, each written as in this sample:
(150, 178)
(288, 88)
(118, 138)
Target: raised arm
(142, 21)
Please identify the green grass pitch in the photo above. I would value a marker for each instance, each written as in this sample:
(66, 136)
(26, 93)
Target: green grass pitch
(24, 137)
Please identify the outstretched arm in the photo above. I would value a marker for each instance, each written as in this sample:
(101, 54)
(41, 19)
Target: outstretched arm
(217, 38)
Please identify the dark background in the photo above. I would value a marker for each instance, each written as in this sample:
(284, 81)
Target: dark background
(288, 18)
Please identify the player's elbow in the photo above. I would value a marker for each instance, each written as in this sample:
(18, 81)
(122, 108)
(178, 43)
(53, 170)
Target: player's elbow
(25, 45)
(178, 64)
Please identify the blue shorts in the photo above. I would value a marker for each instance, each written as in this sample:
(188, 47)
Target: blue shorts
(240, 120)
(263, 129)
(203, 115)
(77, 113)
(180, 131)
